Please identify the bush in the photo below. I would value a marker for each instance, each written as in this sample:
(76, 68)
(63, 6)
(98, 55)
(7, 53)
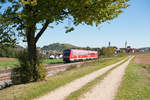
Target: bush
(108, 52)
(41, 72)
(26, 68)
(8, 52)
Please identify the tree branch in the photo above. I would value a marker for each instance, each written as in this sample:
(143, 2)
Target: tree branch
(41, 31)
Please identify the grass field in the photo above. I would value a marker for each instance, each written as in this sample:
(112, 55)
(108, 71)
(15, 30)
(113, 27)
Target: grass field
(136, 83)
(15, 63)
(34, 90)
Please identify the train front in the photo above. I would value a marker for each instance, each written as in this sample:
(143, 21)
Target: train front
(66, 55)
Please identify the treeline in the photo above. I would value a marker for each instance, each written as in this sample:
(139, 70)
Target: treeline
(10, 52)
(110, 52)
(104, 51)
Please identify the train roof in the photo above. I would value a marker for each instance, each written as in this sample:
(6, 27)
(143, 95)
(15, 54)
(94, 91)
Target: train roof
(80, 50)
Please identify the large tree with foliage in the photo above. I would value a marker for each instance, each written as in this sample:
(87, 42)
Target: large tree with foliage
(30, 18)
(2, 1)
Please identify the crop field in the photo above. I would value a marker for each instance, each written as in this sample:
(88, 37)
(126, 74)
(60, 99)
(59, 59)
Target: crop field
(142, 60)
(12, 62)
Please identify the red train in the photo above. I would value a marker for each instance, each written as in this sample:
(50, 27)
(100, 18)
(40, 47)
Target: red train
(77, 55)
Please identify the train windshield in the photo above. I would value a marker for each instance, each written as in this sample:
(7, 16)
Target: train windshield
(66, 52)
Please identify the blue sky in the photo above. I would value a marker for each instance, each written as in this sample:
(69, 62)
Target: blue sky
(133, 26)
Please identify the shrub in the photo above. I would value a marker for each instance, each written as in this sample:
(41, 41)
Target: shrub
(108, 52)
(41, 72)
(26, 68)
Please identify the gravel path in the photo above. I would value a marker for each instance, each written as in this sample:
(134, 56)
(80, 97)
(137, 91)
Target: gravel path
(108, 87)
(64, 91)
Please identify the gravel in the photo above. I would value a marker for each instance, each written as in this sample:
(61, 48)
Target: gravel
(107, 88)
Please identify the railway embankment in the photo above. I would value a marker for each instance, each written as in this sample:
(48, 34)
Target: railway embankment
(7, 75)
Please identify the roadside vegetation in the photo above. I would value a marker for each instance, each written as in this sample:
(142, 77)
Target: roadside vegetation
(52, 61)
(147, 54)
(36, 89)
(136, 83)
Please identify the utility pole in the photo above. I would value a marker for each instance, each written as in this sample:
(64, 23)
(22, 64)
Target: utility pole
(109, 44)
(126, 44)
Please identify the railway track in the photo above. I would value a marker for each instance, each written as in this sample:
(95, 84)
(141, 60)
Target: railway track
(6, 74)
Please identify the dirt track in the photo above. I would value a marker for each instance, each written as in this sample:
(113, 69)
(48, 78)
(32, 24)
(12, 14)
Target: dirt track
(107, 88)
(62, 92)
(142, 60)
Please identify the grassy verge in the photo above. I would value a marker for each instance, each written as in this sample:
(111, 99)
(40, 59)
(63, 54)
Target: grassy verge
(34, 90)
(75, 95)
(147, 54)
(136, 83)
(12, 64)
(51, 61)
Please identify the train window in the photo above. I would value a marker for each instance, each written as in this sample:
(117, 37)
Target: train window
(92, 53)
(80, 53)
(67, 53)
(74, 53)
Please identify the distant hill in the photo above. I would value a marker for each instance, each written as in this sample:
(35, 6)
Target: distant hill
(145, 49)
(58, 46)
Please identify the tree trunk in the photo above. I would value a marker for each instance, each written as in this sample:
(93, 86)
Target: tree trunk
(32, 53)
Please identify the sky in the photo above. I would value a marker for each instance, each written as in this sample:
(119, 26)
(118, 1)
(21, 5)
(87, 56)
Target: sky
(133, 26)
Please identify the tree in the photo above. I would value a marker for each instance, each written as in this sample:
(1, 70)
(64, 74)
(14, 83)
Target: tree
(5, 38)
(2, 1)
(25, 17)
(108, 52)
